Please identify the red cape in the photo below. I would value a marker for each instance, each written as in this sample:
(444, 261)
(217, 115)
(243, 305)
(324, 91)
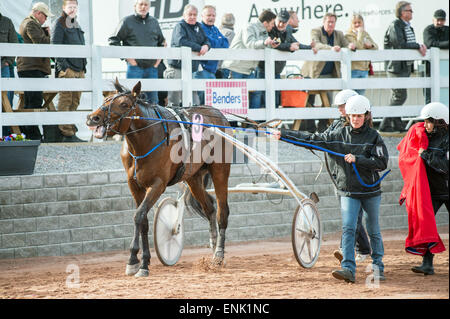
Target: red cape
(416, 194)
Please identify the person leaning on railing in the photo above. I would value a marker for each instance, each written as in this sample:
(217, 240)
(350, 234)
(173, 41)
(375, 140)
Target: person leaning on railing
(186, 33)
(435, 35)
(227, 29)
(254, 36)
(325, 38)
(7, 35)
(217, 41)
(66, 30)
(282, 34)
(400, 35)
(32, 31)
(362, 41)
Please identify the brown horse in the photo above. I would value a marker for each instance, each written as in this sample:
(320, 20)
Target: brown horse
(148, 176)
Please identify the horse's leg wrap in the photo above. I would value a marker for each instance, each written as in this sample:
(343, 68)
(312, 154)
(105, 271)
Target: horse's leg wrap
(145, 249)
(212, 231)
(133, 262)
(219, 254)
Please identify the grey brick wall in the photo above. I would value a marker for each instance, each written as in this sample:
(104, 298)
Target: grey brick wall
(77, 213)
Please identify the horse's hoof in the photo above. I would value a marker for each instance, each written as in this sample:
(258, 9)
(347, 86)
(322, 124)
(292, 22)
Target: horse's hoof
(142, 273)
(131, 270)
(218, 257)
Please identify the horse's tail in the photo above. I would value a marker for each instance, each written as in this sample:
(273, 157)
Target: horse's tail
(193, 205)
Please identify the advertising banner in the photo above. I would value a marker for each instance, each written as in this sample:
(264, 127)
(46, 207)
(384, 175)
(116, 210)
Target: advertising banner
(228, 96)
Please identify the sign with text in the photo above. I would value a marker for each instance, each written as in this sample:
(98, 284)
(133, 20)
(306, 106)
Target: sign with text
(228, 96)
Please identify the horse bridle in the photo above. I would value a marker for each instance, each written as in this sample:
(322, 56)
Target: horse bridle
(108, 112)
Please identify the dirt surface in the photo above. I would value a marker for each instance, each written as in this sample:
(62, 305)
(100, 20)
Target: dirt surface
(263, 269)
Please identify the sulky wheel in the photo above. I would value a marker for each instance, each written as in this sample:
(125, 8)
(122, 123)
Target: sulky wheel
(167, 236)
(306, 233)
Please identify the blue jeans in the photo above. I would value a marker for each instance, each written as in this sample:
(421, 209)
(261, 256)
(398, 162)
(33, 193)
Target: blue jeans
(360, 75)
(202, 75)
(136, 72)
(260, 74)
(8, 72)
(254, 97)
(350, 208)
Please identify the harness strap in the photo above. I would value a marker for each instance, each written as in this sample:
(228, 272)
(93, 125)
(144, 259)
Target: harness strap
(164, 124)
(144, 156)
(136, 158)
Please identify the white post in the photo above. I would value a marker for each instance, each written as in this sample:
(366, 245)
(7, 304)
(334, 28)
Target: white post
(435, 75)
(346, 68)
(96, 77)
(269, 68)
(186, 76)
(96, 80)
(1, 106)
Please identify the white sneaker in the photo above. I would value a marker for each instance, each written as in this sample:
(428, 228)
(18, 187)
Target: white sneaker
(360, 258)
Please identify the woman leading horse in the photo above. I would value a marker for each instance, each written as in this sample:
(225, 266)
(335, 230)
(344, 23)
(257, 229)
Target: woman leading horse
(147, 153)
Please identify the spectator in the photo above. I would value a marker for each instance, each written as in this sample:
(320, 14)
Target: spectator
(288, 43)
(293, 21)
(32, 31)
(66, 30)
(227, 29)
(140, 29)
(362, 41)
(187, 33)
(325, 38)
(7, 35)
(254, 36)
(423, 162)
(365, 148)
(435, 35)
(400, 35)
(361, 241)
(217, 41)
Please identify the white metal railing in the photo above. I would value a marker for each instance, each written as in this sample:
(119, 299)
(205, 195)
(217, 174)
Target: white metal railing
(95, 83)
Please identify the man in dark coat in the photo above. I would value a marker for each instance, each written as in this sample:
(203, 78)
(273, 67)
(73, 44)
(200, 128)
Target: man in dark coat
(400, 35)
(435, 35)
(140, 29)
(32, 31)
(7, 35)
(66, 30)
(187, 33)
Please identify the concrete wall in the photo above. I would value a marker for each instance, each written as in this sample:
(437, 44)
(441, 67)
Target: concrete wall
(77, 213)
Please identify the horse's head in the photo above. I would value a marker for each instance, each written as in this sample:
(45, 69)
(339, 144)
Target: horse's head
(113, 116)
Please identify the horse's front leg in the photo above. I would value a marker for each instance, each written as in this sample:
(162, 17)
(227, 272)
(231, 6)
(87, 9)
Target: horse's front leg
(133, 262)
(141, 228)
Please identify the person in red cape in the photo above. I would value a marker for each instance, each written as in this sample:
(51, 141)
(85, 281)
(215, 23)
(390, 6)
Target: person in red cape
(423, 162)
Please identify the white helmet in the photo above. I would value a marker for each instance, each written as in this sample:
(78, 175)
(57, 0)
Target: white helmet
(343, 96)
(435, 110)
(357, 104)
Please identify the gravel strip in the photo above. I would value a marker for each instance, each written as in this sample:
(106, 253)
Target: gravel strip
(88, 157)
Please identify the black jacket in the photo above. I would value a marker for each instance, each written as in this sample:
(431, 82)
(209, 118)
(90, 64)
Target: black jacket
(136, 31)
(367, 146)
(68, 31)
(436, 163)
(286, 38)
(7, 35)
(186, 35)
(436, 37)
(337, 124)
(395, 38)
